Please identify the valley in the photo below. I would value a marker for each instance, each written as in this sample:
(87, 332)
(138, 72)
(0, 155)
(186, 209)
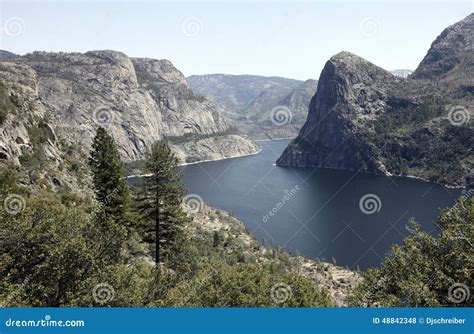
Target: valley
(216, 190)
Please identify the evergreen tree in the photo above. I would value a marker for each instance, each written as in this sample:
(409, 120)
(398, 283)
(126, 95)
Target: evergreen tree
(159, 202)
(110, 186)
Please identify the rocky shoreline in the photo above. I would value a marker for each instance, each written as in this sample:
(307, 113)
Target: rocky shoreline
(214, 149)
(338, 281)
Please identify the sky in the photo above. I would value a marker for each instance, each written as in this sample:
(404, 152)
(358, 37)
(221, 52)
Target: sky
(291, 39)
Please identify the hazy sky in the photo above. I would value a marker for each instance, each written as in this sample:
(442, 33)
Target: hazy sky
(284, 38)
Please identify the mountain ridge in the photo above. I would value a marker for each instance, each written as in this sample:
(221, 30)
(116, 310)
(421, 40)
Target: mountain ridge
(55, 100)
(253, 101)
(363, 118)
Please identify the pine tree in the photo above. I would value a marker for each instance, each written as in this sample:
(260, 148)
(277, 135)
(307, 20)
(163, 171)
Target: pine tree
(160, 199)
(110, 186)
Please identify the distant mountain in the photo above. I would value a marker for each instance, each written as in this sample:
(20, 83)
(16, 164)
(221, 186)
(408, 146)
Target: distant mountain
(235, 92)
(402, 73)
(262, 107)
(7, 55)
(364, 118)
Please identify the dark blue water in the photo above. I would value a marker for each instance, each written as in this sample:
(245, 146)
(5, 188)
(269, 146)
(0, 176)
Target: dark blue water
(321, 215)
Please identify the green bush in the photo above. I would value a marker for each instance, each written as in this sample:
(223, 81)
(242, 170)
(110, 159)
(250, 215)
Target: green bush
(425, 270)
(245, 285)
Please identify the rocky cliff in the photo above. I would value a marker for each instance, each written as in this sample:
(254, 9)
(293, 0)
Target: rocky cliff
(364, 118)
(261, 107)
(277, 112)
(68, 95)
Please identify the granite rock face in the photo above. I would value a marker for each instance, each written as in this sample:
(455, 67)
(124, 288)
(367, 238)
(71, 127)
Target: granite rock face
(253, 101)
(214, 148)
(366, 119)
(14, 138)
(139, 101)
(182, 111)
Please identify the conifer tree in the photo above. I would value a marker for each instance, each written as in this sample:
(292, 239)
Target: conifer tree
(110, 186)
(160, 201)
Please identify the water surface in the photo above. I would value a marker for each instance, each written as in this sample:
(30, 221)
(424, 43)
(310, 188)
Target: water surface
(316, 212)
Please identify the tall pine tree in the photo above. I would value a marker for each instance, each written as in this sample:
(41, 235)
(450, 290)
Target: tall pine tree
(160, 201)
(110, 186)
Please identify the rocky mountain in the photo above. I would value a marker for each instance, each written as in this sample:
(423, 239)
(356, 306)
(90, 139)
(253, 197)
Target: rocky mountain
(366, 119)
(261, 107)
(235, 92)
(59, 99)
(277, 113)
(402, 73)
(7, 55)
